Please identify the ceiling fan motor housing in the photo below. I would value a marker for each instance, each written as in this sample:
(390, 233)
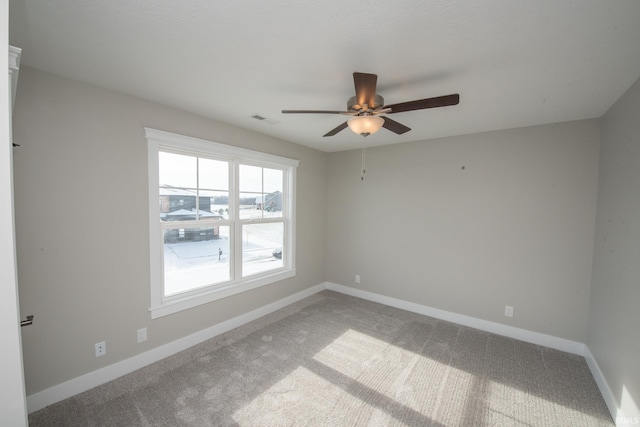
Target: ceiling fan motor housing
(353, 106)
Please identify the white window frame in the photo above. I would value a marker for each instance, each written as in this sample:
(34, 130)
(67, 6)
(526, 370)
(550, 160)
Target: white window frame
(157, 141)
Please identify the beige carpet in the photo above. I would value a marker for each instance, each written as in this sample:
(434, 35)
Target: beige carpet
(335, 360)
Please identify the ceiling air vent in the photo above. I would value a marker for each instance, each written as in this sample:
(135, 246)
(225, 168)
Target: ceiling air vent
(264, 119)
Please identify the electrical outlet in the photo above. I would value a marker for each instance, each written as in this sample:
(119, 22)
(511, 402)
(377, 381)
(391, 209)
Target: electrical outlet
(142, 335)
(357, 278)
(101, 348)
(508, 311)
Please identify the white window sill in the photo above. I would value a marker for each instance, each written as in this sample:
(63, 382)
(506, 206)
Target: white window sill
(178, 303)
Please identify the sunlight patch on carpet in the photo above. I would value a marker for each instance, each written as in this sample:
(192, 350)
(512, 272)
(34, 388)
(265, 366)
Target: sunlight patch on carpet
(397, 373)
(295, 399)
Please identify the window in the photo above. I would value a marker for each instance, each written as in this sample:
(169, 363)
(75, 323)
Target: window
(222, 220)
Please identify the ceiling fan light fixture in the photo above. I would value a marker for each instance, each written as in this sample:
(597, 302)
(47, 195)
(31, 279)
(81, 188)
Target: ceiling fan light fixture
(365, 125)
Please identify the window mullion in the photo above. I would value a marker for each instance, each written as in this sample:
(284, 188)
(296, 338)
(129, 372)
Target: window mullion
(237, 225)
(197, 188)
(263, 195)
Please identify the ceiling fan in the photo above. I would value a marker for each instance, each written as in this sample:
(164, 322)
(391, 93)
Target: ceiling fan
(367, 108)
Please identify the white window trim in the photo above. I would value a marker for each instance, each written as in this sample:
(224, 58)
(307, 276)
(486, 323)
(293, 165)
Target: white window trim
(158, 140)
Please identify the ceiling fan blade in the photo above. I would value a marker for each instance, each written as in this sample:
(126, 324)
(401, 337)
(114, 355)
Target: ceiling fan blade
(421, 104)
(394, 126)
(314, 112)
(365, 88)
(336, 130)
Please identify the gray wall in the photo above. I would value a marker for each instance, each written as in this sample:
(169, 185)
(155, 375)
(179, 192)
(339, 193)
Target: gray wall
(81, 225)
(614, 316)
(470, 224)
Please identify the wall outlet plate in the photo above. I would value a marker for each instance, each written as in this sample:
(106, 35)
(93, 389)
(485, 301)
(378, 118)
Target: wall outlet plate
(508, 311)
(142, 335)
(101, 348)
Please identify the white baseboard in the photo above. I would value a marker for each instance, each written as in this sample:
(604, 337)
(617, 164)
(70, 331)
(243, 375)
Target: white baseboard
(93, 379)
(616, 408)
(460, 319)
(603, 385)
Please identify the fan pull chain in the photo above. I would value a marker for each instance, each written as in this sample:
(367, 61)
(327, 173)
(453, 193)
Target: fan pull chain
(364, 160)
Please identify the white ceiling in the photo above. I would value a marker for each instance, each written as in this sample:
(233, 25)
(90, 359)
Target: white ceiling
(514, 62)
